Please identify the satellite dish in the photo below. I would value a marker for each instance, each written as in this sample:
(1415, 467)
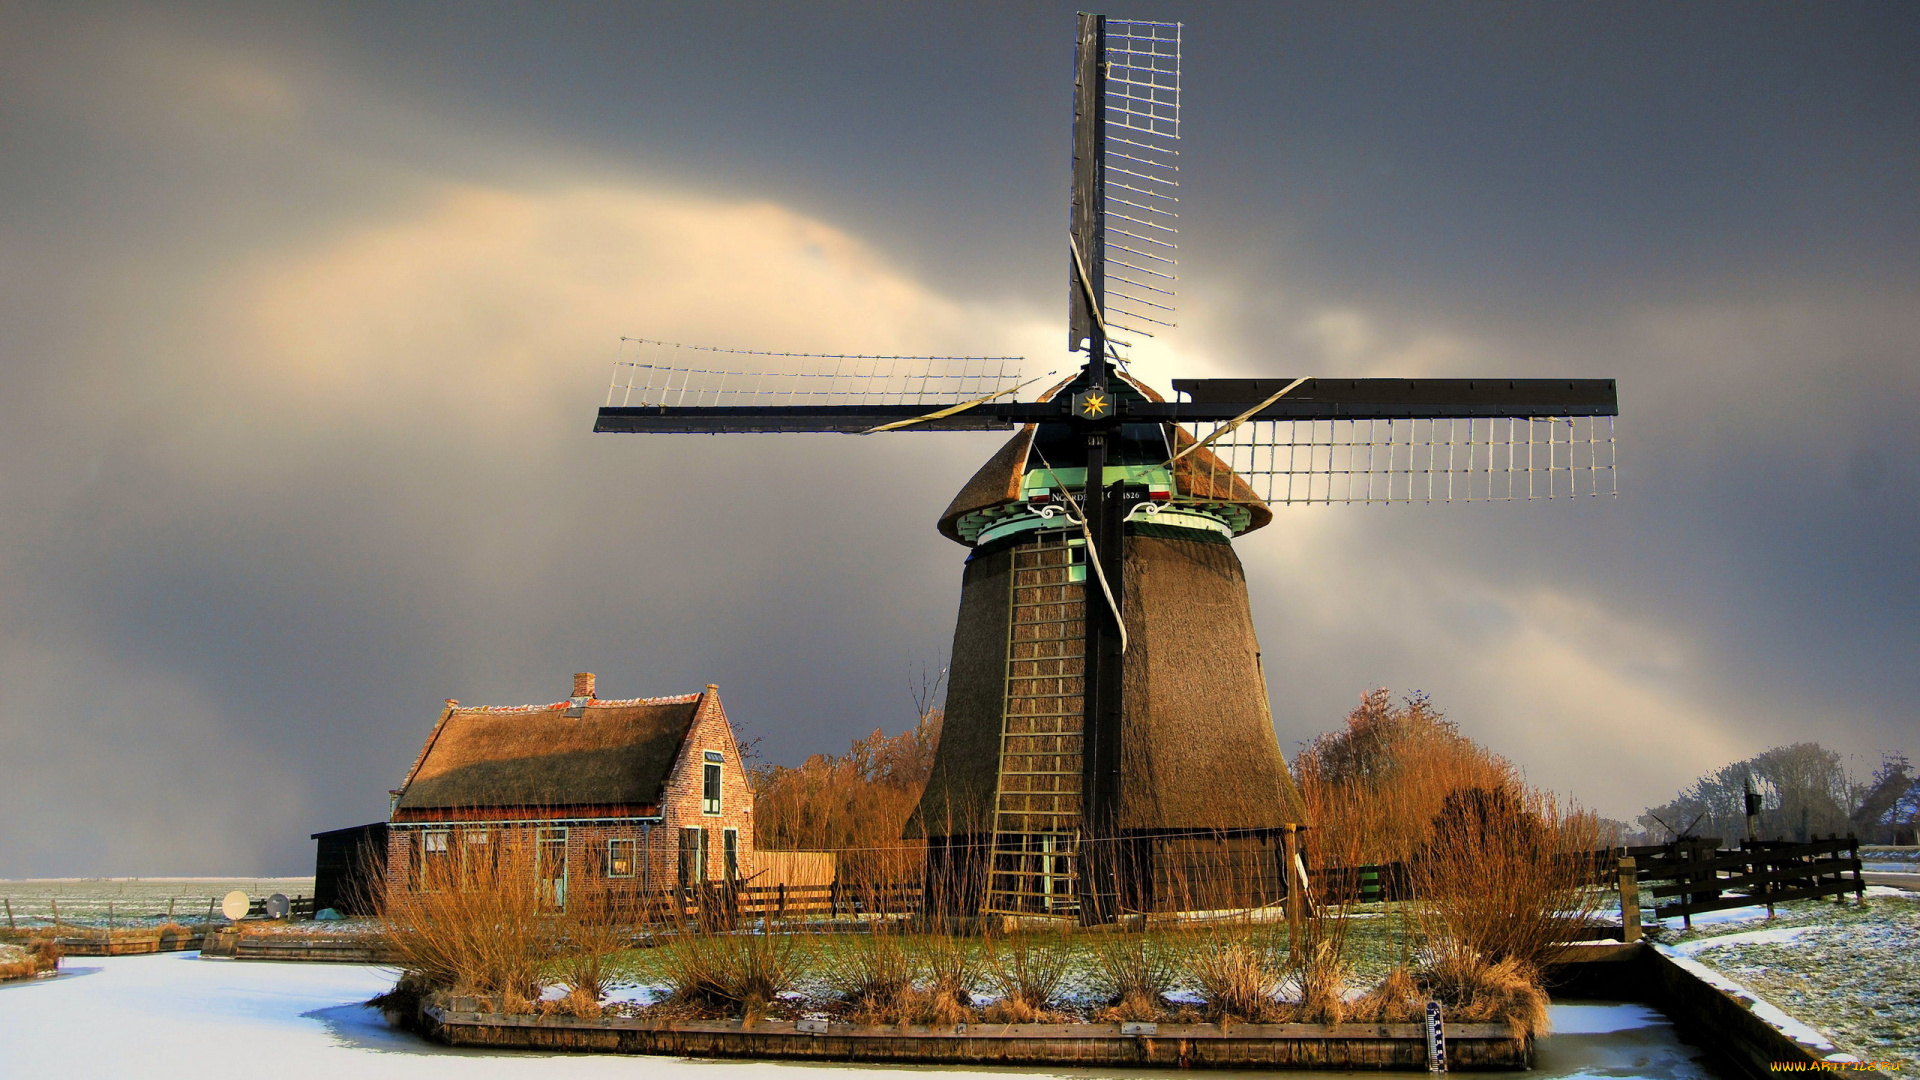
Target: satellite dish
(234, 906)
(278, 905)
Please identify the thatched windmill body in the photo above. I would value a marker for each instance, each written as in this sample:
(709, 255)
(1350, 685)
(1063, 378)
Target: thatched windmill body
(1107, 731)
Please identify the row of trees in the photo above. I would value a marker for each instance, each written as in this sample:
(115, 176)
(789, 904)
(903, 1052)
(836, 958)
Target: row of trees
(856, 804)
(1804, 789)
(1373, 789)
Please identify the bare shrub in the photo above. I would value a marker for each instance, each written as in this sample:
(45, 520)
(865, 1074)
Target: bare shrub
(1134, 972)
(731, 974)
(478, 926)
(1500, 872)
(856, 805)
(588, 935)
(1373, 789)
(1398, 999)
(1027, 970)
(1505, 876)
(1476, 991)
(874, 972)
(1238, 980)
(952, 971)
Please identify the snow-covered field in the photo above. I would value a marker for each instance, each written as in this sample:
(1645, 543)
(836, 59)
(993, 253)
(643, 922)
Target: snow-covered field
(175, 1014)
(132, 900)
(1846, 971)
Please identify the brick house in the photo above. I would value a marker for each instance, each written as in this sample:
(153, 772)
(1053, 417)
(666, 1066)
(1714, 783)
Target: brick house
(629, 796)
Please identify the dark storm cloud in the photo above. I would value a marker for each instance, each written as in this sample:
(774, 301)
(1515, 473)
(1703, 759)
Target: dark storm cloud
(304, 311)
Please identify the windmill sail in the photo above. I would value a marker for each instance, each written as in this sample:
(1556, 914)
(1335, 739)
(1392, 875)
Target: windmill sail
(666, 373)
(1126, 180)
(1471, 459)
(1401, 440)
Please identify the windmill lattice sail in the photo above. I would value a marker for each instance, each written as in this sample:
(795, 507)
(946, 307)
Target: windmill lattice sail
(1381, 460)
(1139, 233)
(666, 373)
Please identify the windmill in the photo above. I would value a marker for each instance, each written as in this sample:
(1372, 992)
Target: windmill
(1107, 711)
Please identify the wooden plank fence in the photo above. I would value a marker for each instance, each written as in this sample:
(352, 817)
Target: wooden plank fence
(728, 903)
(1699, 876)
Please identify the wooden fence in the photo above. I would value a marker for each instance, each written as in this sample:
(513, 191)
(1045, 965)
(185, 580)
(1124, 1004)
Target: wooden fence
(1692, 876)
(727, 903)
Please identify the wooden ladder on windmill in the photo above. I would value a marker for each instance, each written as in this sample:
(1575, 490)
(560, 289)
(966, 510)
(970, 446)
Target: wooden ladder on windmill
(1037, 804)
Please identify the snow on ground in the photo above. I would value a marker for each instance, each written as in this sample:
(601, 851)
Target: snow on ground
(1846, 970)
(133, 900)
(176, 1015)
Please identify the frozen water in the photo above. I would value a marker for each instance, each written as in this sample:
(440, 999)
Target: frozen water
(174, 1014)
(1615, 1040)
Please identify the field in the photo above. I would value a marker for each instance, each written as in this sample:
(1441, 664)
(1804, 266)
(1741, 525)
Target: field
(132, 901)
(1847, 971)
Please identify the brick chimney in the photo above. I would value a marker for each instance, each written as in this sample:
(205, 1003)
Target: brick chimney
(583, 684)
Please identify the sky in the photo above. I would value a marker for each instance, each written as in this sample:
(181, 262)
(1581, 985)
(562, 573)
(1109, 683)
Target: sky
(305, 312)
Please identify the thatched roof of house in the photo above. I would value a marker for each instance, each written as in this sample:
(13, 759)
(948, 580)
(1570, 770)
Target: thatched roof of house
(535, 761)
(1199, 475)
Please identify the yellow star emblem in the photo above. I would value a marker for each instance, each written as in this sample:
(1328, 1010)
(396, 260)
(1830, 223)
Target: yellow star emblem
(1093, 405)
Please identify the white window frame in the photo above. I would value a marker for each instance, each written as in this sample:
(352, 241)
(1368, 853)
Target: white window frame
(613, 860)
(715, 771)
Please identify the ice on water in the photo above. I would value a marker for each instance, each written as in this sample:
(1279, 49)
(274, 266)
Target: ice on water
(175, 1014)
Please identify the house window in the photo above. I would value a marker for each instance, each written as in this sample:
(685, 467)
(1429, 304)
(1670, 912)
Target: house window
(550, 865)
(730, 850)
(693, 857)
(433, 860)
(619, 858)
(476, 836)
(710, 787)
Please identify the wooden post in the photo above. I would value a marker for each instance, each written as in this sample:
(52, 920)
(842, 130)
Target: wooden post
(1629, 900)
(1296, 898)
(109, 927)
(1686, 916)
(169, 909)
(10, 926)
(56, 918)
(783, 899)
(1859, 882)
(206, 928)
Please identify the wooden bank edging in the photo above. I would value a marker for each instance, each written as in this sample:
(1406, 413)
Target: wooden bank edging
(1282, 1046)
(1736, 1026)
(354, 950)
(1731, 1020)
(122, 943)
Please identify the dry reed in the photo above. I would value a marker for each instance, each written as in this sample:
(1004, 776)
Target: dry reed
(476, 926)
(952, 971)
(1239, 979)
(873, 972)
(588, 937)
(1134, 973)
(731, 973)
(1027, 969)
